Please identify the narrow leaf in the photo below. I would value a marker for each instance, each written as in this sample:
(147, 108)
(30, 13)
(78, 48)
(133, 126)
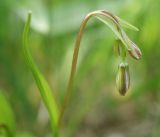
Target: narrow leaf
(113, 28)
(126, 24)
(42, 84)
(132, 48)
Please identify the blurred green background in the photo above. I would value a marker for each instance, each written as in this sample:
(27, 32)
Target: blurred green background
(96, 108)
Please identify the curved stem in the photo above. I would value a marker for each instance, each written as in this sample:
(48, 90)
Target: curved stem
(76, 51)
(5, 127)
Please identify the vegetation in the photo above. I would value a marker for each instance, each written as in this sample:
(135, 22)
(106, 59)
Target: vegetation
(94, 108)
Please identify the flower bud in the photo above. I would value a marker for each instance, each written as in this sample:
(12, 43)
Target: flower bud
(123, 78)
(135, 52)
(132, 48)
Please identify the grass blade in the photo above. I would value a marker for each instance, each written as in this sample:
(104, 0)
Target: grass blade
(42, 84)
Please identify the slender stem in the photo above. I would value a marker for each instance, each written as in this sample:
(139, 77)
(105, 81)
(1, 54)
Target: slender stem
(75, 55)
(123, 55)
(5, 127)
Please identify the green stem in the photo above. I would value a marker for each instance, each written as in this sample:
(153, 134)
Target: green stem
(75, 55)
(123, 55)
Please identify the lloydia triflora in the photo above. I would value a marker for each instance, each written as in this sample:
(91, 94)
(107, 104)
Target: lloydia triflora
(124, 44)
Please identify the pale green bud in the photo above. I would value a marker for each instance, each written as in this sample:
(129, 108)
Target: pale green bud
(123, 78)
(135, 52)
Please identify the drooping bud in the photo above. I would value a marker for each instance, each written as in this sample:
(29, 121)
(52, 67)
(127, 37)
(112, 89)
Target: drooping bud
(132, 48)
(135, 52)
(123, 78)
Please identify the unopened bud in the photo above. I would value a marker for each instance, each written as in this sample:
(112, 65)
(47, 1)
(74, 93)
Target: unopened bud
(123, 78)
(132, 48)
(135, 52)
